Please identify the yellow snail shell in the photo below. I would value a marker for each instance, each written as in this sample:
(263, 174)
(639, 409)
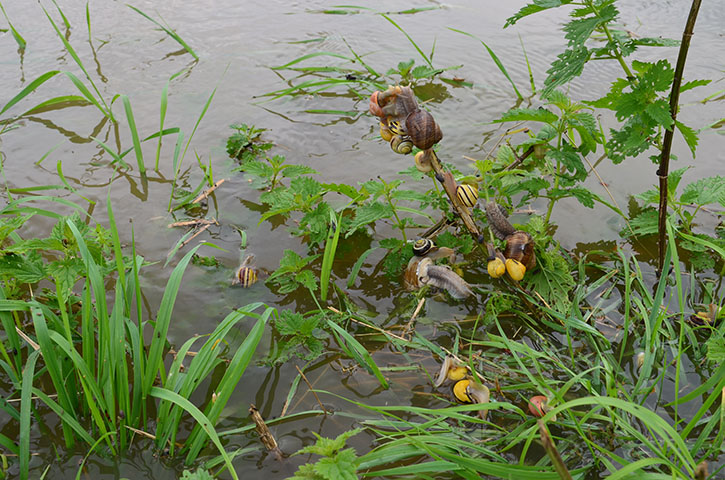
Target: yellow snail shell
(385, 132)
(450, 370)
(395, 127)
(423, 129)
(246, 274)
(459, 390)
(422, 162)
(467, 194)
(401, 144)
(515, 269)
(496, 267)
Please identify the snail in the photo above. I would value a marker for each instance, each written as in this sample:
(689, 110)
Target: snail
(496, 263)
(423, 130)
(459, 390)
(518, 256)
(401, 144)
(442, 277)
(539, 406)
(246, 274)
(468, 391)
(385, 132)
(467, 194)
(450, 370)
(397, 102)
(423, 161)
(374, 107)
(395, 127)
(422, 246)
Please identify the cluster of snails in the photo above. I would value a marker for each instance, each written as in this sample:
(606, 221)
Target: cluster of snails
(466, 389)
(518, 256)
(402, 122)
(422, 270)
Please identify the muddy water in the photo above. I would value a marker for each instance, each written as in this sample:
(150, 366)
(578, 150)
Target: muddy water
(237, 43)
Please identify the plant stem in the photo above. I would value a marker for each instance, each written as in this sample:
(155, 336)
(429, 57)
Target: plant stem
(617, 52)
(663, 170)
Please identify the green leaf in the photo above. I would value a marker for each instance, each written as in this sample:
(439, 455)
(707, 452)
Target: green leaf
(569, 64)
(571, 161)
(535, 7)
(689, 134)
(659, 111)
(716, 349)
(705, 191)
(369, 213)
(341, 467)
(646, 223)
(579, 30)
(552, 280)
(528, 114)
(291, 171)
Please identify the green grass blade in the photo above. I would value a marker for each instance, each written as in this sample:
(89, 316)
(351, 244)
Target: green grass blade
(168, 31)
(201, 419)
(425, 57)
(359, 352)
(32, 86)
(495, 59)
(328, 257)
(116, 157)
(163, 319)
(134, 134)
(16, 35)
(358, 265)
(312, 55)
(25, 400)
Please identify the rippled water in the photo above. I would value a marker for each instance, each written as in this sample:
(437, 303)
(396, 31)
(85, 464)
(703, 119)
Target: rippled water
(237, 43)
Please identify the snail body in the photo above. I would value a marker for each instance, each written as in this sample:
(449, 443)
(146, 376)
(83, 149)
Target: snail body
(401, 144)
(467, 194)
(450, 370)
(442, 277)
(246, 274)
(519, 255)
(423, 162)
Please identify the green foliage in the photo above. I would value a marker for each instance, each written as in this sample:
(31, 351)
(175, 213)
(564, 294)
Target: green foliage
(338, 463)
(301, 336)
(292, 273)
(245, 143)
(199, 474)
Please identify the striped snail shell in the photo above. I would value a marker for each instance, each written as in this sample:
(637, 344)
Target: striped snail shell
(467, 194)
(395, 127)
(422, 129)
(246, 274)
(385, 132)
(422, 246)
(401, 144)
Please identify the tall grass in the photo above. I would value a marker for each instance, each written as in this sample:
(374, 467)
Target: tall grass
(107, 379)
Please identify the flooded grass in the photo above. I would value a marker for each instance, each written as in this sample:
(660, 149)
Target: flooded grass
(424, 324)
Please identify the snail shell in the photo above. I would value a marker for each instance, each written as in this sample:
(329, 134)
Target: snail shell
(422, 246)
(422, 162)
(467, 194)
(459, 390)
(520, 247)
(515, 269)
(395, 127)
(397, 102)
(375, 107)
(401, 144)
(385, 132)
(423, 129)
(246, 274)
(450, 370)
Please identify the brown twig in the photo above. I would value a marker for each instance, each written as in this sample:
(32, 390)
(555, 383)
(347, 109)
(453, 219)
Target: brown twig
(309, 385)
(415, 314)
(190, 223)
(198, 232)
(663, 170)
(207, 192)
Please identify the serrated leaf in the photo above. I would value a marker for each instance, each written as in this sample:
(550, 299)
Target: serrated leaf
(568, 65)
(535, 7)
(646, 223)
(290, 171)
(424, 71)
(571, 161)
(343, 189)
(705, 191)
(307, 279)
(716, 349)
(369, 213)
(689, 134)
(552, 280)
(693, 84)
(340, 467)
(462, 245)
(528, 114)
(579, 30)
(659, 111)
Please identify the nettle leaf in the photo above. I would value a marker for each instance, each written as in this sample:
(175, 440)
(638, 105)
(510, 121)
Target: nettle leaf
(650, 196)
(693, 84)
(701, 261)
(571, 161)
(535, 7)
(369, 213)
(646, 223)
(705, 191)
(397, 258)
(10, 224)
(462, 245)
(315, 224)
(552, 280)
(579, 30)
(716, 349)
(584, 196)
(505, 155)
(307, 279)
(306, 187)
(291, 171)
(255, 167)
(528, 114)
(340, 467)
(673, 180)
(659, 111)
(424, 71)
(656, 76)
(689, 134)
(24, 268)
(570, 64)
(650, 42)
(292, 323)
(328, 447)
(344, 189)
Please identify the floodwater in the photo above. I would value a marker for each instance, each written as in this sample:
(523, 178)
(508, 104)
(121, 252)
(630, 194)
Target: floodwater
(237, 43)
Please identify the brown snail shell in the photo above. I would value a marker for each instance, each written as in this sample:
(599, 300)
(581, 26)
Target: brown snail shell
(520, 247)
(401, 144)
(375, 107)
(397, 102)
(423, 129)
